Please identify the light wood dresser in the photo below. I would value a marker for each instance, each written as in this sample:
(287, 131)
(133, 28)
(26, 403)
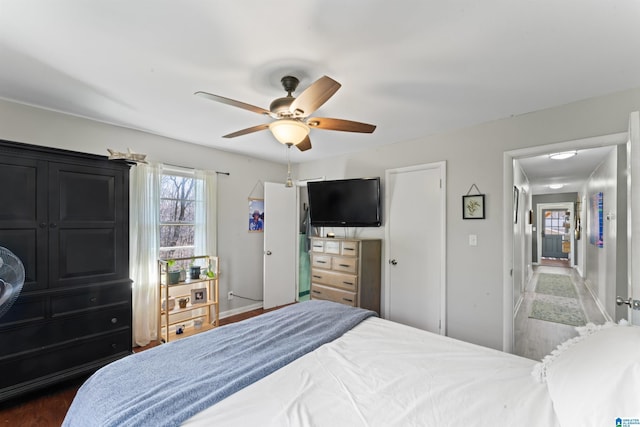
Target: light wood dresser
(346, 271)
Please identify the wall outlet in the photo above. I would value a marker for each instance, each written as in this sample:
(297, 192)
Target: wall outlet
(229, 295)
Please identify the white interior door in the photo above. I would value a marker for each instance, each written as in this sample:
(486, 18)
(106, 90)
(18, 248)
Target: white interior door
(633, 213)
(415, 246)
(280, 245)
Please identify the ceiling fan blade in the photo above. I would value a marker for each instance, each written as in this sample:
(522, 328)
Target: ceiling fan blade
(314, 96)
(339, 124)
(304, 145)
(233, 102)
(247, 130)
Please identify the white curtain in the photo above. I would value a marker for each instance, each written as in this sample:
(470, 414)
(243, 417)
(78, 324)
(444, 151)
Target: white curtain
(144, 250)
(206, 214)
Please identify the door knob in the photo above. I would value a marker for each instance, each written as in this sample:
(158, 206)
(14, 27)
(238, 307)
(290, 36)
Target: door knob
(630, 302)
(268, 252)
(393, 262)
(621, 301)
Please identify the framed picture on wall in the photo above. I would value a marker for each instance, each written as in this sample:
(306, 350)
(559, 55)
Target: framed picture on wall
(256, 215)
(596, 234)
(473, 206)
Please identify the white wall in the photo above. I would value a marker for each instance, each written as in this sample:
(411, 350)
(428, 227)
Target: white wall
(600, 263)
(240, 251)
(475, 155)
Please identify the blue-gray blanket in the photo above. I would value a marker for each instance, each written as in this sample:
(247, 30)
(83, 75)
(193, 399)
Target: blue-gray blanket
(168, 384)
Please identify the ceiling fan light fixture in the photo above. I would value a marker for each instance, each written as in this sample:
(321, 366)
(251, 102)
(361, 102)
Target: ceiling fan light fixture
(288, 131)
(563, 155)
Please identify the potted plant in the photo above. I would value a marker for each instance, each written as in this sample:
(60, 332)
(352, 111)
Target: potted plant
(194, 270)
(173, 272)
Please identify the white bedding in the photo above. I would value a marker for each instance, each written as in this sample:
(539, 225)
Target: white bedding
(386, 374)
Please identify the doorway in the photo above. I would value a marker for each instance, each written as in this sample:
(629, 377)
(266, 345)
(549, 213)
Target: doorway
(555, 234)
(415, 247)
(508, 232)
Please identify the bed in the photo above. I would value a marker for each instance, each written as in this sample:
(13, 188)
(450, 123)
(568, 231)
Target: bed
(319, 363)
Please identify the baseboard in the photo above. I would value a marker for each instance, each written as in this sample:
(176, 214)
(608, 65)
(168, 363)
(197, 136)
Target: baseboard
(578, 270)
(517, 306)
(587, 285)
(240, 310)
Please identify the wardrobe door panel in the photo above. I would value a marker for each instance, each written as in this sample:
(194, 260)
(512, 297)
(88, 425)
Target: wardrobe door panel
(23, 216)
(88, 240)
(85, 253)
(86, 195)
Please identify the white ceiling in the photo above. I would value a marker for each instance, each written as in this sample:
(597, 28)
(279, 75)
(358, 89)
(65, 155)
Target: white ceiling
(412, 67)
(572, 173)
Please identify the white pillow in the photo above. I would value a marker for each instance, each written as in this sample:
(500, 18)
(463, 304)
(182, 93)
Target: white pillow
(594, 379)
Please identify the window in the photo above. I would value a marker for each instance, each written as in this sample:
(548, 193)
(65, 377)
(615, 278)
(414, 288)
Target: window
(177, 215)
(556, 222)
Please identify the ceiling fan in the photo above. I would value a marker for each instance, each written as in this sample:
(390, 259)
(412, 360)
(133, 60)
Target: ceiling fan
(292, 122)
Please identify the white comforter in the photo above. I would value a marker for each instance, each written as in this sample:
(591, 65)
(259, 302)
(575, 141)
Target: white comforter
(382, 373)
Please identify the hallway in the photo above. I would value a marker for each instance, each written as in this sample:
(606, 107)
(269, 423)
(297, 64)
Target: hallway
(535, 338)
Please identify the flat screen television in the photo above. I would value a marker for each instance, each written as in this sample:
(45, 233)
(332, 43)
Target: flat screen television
(345, 203)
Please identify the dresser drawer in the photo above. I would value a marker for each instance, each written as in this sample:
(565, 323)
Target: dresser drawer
(71, 357)
(317, 245)
(43, 334)
(332, 247)
(90, 298)
(321, 261)
(333, 294)
(344, 281)
(346, 264)
(26, 309)
(349, 248)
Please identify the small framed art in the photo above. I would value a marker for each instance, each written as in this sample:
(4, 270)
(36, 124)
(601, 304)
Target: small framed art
(256, 215)
(473, 206)
(198, 296)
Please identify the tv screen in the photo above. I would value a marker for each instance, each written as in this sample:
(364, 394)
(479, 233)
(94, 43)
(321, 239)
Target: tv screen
(345, 203)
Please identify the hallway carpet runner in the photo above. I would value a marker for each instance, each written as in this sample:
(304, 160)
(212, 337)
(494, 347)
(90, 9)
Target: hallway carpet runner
(556, 300)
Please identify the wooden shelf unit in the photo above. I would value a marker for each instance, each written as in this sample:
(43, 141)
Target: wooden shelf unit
(208, 310)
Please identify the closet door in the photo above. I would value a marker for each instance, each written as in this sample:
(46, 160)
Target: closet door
(280, 245)
(415, 247)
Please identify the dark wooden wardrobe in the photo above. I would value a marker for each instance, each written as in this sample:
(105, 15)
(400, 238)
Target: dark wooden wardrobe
(66, 216)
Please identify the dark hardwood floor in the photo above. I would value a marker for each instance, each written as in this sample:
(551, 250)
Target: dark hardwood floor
(47, 407)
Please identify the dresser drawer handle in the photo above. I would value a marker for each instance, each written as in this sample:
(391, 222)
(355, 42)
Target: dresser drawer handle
(317, 246)
(93, 299)
(114, 320)
(349, 249)
(316, 292)
(114, 346)
(348, 283)
(317, 277)
(344, 265)
(347, 299)
(321, 262)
